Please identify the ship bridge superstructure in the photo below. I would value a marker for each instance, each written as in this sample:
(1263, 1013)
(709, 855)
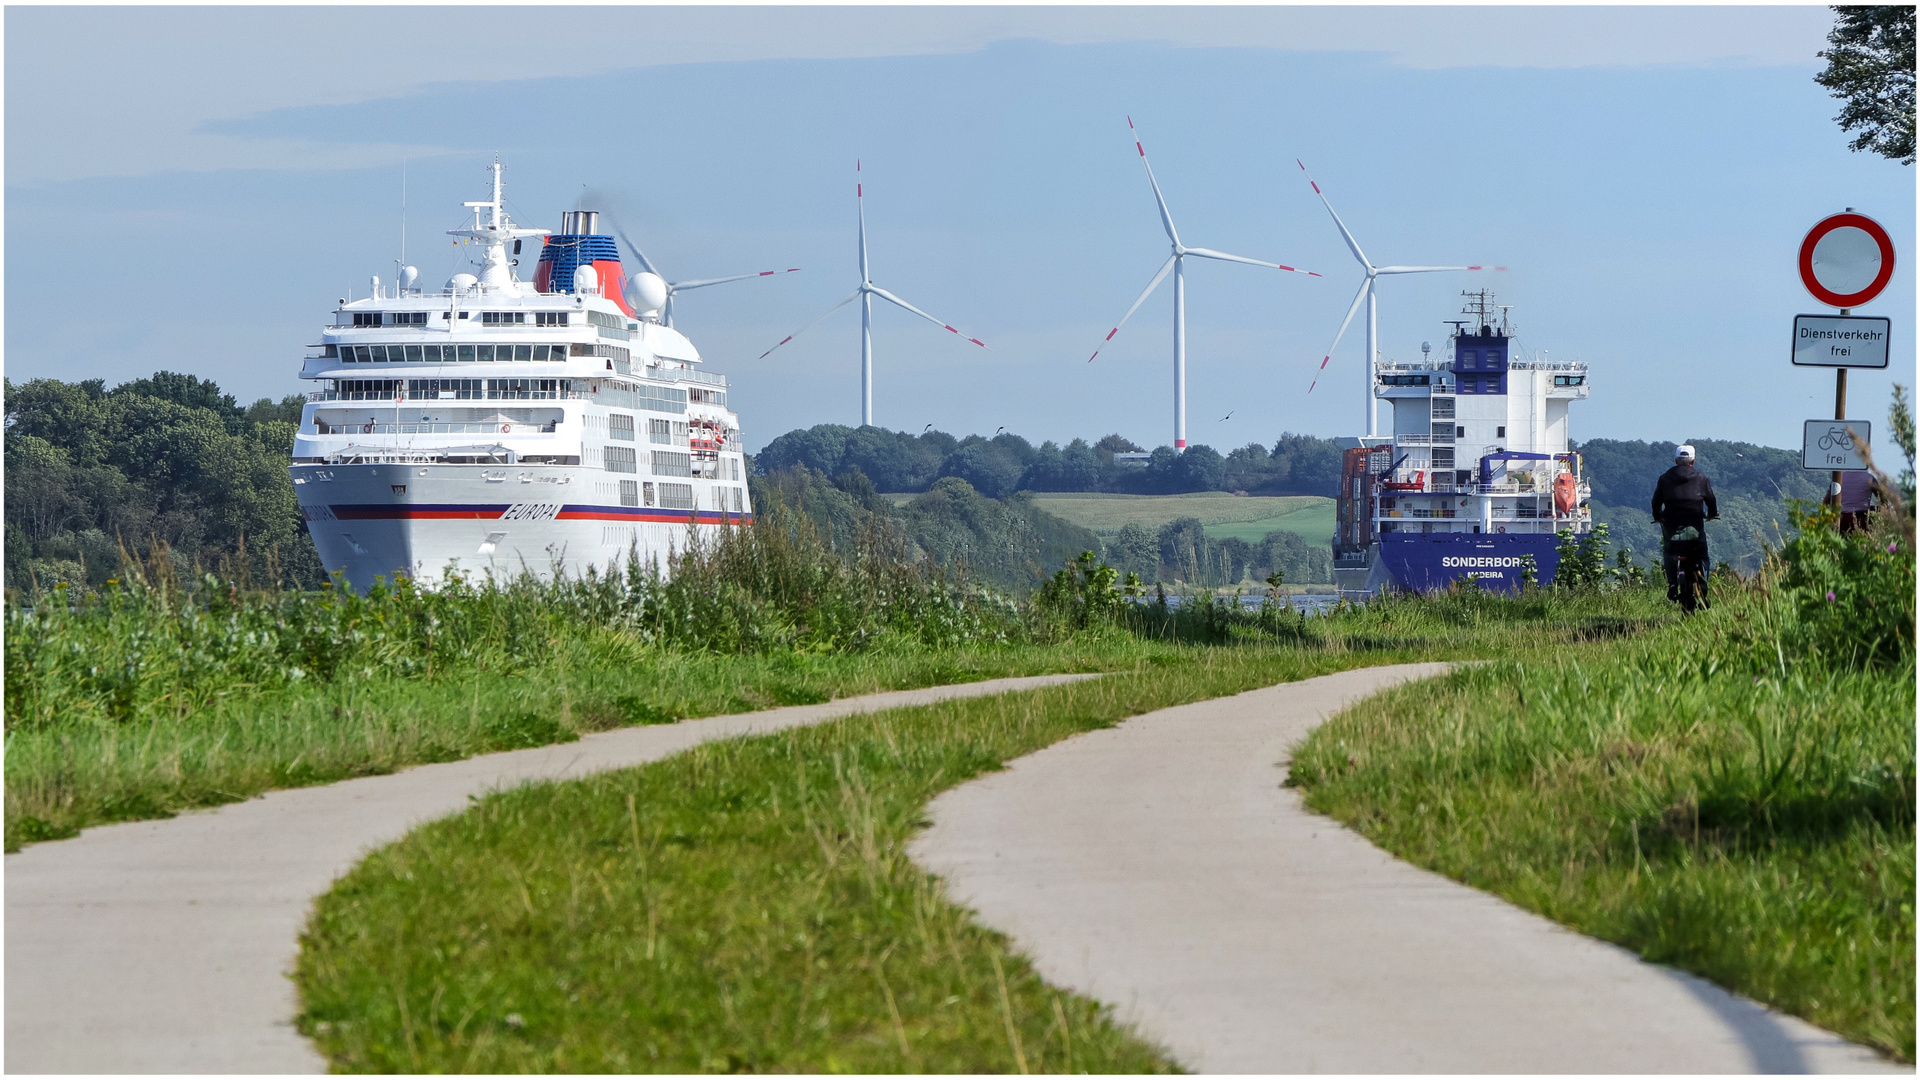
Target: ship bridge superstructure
(1479, 447)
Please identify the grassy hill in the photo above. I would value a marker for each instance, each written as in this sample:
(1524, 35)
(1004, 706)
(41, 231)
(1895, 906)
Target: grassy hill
(1244, 517)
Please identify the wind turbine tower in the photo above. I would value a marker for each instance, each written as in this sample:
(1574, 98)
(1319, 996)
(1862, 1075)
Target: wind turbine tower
(865, 294)
(1373, 274)
(1176, 262)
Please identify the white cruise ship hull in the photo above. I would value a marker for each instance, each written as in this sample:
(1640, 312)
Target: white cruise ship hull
(427, 521)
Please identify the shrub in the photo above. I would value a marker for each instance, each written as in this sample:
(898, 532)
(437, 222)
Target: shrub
(1852, 596)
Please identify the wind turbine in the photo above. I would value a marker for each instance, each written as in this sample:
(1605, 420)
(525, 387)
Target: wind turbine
(1366, 293)
(865, 294)
(1176, 262)
(666, 310)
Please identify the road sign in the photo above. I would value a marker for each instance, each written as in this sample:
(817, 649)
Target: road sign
(1828, 447)
(1846, 260)
(1840, 341)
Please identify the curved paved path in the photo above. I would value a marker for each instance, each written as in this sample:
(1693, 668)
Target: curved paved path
(162, 946)
(1160, 866)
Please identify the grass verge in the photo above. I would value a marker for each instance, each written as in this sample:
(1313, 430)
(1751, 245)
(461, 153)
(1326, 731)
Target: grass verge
(746, 906)
(63, 778)
(1754, 826)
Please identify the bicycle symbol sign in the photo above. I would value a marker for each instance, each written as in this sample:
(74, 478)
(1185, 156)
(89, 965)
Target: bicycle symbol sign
(1828, 445)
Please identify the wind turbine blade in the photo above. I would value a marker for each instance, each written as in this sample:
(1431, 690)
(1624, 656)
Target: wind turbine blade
(851, 297)
(1151, 285)
(1422, 269)
(1352, 244)
(860, 197)
(1344, 323)
(1209, 253)
(885, 295)
(635, 248)
(1166, 216)
(704, 282)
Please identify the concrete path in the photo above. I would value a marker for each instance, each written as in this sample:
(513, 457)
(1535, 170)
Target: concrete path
(1159, 866)
(163, 946)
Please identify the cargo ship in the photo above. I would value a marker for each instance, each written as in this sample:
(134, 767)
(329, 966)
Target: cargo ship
(495, 426)
(1478, 476)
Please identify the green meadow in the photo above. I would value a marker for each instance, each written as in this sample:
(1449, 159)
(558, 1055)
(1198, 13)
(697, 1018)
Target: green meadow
(1223, 514)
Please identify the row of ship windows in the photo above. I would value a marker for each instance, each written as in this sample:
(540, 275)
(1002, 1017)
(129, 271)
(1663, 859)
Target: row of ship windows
(624, 459)
(644, 396)
(1425, 380)
(677, 496)
(620, 426)
(461, 389)
(487, 318)
(1457, 431)
(464, 354)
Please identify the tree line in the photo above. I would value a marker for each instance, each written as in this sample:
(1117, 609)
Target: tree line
(164, 465)
(896, 461)
(171, 464)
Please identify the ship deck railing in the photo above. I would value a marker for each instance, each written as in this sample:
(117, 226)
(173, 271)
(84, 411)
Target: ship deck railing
(506, 427)
(474, 395)
(686, 375)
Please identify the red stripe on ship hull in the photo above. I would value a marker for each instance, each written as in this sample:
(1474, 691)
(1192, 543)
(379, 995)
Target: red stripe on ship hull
(425, 511)
(567, 513)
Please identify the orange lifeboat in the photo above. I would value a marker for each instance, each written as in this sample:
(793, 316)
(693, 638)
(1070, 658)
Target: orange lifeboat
(1566, 493)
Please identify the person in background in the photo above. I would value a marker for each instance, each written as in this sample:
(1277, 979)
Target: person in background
(1683, 503)
(1856, 499)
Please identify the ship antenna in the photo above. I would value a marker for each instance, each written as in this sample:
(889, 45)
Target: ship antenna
(401, 262)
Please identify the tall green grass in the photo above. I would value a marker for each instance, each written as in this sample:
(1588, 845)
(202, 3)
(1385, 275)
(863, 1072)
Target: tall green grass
(1733, 794)
(156, 694)
(151, 647)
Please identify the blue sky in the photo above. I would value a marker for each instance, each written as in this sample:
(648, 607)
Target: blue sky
(1646, 174)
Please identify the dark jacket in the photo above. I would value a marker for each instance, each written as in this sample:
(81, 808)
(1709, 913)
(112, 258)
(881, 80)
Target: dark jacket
(1684, 496)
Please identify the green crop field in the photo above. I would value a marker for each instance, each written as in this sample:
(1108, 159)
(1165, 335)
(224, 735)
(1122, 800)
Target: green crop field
(1248, 517)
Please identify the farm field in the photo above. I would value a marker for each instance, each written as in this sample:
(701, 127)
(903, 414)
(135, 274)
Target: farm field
(1247, 517)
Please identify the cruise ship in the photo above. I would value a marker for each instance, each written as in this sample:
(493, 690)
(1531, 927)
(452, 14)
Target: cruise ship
(1478, 476)
(496, 426)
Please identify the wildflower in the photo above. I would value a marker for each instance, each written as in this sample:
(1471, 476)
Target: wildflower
(1829, 597)
(1892, 545)
(515, 1020)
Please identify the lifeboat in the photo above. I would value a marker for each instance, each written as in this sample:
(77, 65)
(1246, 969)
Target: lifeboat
(1566, 493)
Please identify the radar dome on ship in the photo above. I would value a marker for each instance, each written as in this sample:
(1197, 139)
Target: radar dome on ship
(646, 293)
(586, 280)
(462, 282)
(409, 275)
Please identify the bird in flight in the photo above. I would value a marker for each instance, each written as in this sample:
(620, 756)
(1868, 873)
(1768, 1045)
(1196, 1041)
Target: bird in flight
(926, 429)
(997, 431)
(1227, 417)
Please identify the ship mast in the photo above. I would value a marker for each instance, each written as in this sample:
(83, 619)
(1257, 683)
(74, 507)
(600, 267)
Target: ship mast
(495, 233)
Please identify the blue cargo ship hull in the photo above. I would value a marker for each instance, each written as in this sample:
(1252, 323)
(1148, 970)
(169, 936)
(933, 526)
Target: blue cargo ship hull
(1423, 562)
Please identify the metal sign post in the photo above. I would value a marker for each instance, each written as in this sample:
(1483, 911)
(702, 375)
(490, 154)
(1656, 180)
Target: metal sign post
(1845, 261)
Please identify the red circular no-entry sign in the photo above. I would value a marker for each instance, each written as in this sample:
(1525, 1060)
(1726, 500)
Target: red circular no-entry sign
(1846, 260)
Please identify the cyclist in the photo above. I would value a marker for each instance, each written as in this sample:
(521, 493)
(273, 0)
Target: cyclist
(1683, 503)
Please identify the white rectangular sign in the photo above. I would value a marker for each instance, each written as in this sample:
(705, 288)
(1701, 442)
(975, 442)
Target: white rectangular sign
(1840, 341)
(1828, 448)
